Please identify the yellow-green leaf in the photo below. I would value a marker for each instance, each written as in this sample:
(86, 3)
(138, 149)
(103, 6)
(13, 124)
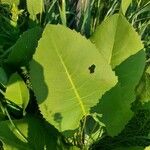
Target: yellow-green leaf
(69, 76)
(17, 91)
(116, 40)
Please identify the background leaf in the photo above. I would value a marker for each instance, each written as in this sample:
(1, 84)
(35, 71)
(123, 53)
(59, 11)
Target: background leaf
(116, 40)
(17, 91)
(135, 134)
(68, 75)
(22, 51)
(115, 104)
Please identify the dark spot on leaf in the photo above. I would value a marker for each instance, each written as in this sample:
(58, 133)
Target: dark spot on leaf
(58, 117)
(92, 68)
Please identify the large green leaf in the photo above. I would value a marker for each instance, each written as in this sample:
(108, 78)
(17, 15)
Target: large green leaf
(22, 51)
(37, 132)
(17, 91)
(115, 104)
(68, 75)
(35, 7)
(116, 40)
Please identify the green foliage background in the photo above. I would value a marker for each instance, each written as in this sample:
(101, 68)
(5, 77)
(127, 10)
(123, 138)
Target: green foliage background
(82, 84)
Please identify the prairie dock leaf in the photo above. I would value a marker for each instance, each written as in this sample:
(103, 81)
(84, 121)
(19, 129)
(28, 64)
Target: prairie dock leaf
(69, 76)
(116, 40)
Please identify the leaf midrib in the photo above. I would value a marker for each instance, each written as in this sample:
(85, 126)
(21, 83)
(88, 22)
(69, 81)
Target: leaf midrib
(70, 79)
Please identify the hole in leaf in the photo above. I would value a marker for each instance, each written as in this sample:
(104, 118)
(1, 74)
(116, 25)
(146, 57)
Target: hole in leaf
(92, 68)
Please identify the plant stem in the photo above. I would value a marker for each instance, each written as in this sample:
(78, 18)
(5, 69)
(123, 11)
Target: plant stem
(63, 13)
